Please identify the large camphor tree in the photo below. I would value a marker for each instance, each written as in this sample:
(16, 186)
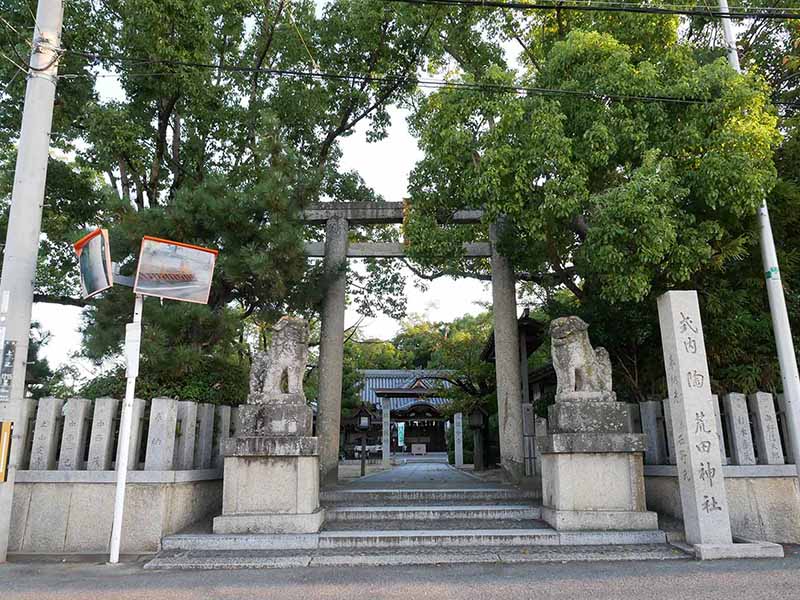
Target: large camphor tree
(641, 172)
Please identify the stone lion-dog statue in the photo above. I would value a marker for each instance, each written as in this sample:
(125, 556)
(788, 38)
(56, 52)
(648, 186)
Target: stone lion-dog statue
(582, 372)
(279, 371)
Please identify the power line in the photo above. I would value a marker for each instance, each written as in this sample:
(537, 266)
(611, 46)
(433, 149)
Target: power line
(388, 79)
(622, 7)
(10, 81)
(425, 83)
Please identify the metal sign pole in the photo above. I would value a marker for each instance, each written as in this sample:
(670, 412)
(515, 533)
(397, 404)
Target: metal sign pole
(133, 337)
(787, 359)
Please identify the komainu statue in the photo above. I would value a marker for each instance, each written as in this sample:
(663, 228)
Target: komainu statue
(583, 372)
(279, 371)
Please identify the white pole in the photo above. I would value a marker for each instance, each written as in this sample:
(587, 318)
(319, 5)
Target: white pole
(22, 235)
(787, 358)
(133, 336)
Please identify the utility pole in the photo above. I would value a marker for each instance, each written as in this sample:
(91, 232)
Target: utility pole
(777, 303)
(22, 237)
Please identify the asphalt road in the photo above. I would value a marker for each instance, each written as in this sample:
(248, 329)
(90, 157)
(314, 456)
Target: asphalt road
(647, 580)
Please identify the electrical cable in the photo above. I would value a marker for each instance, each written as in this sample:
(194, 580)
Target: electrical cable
(394, 79)
(425, 83)
(605, 7)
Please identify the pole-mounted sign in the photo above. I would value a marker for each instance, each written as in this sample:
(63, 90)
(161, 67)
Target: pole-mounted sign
(166, 269)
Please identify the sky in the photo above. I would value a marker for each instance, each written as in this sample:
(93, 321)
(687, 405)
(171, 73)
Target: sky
(384, 166)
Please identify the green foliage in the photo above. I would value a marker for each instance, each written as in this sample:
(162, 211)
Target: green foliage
(609, 201)
(458, 351)
(419, 340)
(637, 196)
(216, 157)
(40, 379)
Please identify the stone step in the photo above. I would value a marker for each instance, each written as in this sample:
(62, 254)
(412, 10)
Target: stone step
(439, 525)
(480, 537)
(393, 497)
(422, 512)
(239, 541)
(387, 539)
(266, 559)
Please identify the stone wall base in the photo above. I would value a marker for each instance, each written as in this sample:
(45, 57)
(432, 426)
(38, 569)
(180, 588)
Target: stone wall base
(763, 508)
(75, 518)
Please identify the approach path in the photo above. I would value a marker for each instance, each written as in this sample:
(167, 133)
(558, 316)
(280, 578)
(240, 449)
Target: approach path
(422, 474)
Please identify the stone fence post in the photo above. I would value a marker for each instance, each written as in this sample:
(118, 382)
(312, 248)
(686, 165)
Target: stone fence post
(101, 445)
(187, 429)
(161, 435)
(739, 435)
(765, 422)
(45, 436)
(73, 437)
(205, 436)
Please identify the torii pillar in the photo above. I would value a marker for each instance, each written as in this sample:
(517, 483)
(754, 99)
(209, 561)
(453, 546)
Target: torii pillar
(331, 349)
(507, 361)
(337, 217)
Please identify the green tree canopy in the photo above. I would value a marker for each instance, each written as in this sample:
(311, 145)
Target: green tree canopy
(643, 173)
(200, 121)
(192, 121)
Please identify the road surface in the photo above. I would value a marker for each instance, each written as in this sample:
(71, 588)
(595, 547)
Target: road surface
(678, 580)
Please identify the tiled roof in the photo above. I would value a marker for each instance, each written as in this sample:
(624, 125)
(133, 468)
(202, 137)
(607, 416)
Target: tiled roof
(378, 379)
(405, 403)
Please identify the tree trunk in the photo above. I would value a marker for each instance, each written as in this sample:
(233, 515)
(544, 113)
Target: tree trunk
(124, 181)
(176, 140)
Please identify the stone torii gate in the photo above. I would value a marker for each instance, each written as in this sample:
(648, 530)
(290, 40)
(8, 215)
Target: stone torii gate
(335, 250)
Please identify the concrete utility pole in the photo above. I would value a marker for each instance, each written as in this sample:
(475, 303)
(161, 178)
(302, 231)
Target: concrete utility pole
(22, 237)
(777, 303)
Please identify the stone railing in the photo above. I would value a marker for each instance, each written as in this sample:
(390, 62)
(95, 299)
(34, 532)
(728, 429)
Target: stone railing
(65, 488)
(753, 430)
(762, 489)
(81, 435)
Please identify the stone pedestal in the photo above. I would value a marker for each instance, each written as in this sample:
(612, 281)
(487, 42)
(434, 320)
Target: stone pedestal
(271, 476)
(592, 473)
(271, 485)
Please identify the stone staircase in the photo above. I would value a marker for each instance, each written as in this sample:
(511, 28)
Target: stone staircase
(415, 526)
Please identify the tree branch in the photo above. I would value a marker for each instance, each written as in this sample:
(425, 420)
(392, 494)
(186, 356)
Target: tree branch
(166, 106)
(63, 300)
(519, 275)
(564, 275)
